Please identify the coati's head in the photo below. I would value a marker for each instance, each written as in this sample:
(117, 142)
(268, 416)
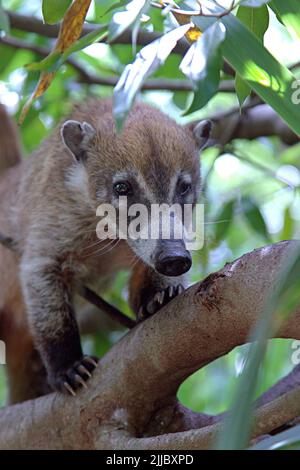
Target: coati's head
(152, 161)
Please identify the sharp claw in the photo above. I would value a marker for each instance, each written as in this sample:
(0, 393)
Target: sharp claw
(141, 312)
(140, 315)
(90, 360)
(84, 370)
(69, 389)
(80, 380)
(159, 297)
(180, 289)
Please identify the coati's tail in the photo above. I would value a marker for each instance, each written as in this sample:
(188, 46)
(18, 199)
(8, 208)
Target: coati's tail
(10, 150)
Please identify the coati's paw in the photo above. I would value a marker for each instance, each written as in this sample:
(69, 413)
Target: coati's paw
(158, 300)
(76, 376)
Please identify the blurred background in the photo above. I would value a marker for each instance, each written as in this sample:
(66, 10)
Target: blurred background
(250, 187)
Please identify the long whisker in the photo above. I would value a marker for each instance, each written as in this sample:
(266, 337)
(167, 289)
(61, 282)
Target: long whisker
(100, 248)
(99, 242)
(96, 253)
(134, 262)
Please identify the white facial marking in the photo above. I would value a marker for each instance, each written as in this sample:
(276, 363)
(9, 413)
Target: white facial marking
(77, 181)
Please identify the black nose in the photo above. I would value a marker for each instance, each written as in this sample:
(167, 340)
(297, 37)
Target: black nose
(173, 265)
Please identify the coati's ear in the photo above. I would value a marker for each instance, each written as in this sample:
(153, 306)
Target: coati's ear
(76, 136)
(201, 131)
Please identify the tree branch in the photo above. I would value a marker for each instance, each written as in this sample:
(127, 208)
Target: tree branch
(253, 122)
(30, 24)
(109, 309)
(141, 374)
(91, 79)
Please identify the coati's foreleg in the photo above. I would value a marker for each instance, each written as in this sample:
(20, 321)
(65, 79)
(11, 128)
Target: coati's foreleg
(149, 291)
(51, 318)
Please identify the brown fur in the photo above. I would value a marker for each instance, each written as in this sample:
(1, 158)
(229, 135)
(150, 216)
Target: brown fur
(45, 206)
(10, 147)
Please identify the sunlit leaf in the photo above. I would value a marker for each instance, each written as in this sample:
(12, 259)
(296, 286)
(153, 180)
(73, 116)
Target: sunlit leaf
(257, 20)
(202, 65)
(271, 80)
(122, 20)
(147, 61)
(289, 13)
(72, 24)
(70, 31)
(54, 10)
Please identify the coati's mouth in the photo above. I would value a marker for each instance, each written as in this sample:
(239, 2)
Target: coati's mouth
(172, 258)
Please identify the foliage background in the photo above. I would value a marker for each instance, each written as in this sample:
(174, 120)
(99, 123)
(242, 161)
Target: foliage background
(251, 191)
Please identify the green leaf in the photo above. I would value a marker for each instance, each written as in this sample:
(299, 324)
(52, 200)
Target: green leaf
(272, 81)
(223, 221)
(86, 40)
(242, 89)
(54, 10)
(288, 226)
(114, 6)
(253, 3)
(257, 20)
(147, 61)
(254, 217)
(202, 65)
(4, 22)
(289, 13)
(123, 20)
(54, 60)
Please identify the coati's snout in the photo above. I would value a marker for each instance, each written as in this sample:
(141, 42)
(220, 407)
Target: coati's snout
(172, 258)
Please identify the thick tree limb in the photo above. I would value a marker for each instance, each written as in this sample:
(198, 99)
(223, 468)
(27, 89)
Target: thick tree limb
(140, 375)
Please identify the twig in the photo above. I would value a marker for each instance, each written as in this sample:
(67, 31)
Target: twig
(200, 12)
(30, 24)
(109, 309)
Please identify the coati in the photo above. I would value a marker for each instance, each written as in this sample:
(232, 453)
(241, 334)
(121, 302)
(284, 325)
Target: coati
(48, 205)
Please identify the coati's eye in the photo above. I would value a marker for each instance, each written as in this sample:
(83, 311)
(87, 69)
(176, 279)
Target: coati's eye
(123, 188)
(183, 187)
